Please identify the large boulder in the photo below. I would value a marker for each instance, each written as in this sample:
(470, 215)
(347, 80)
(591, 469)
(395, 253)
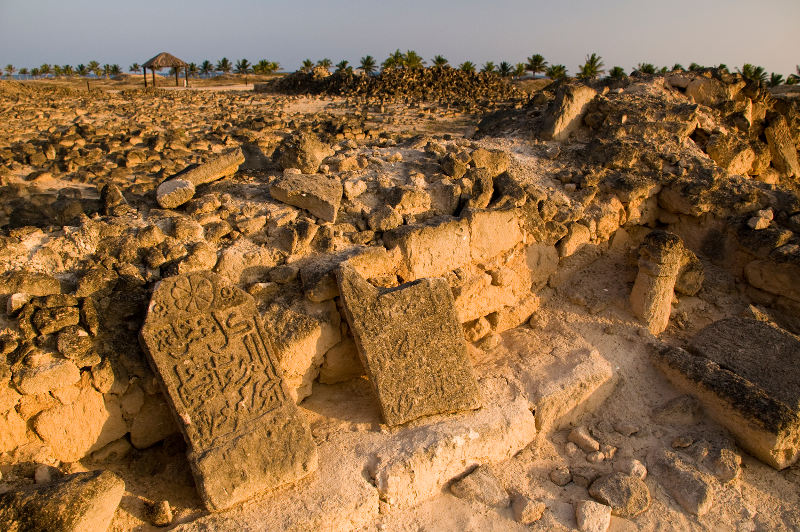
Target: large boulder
(303, 151)
(565, 114)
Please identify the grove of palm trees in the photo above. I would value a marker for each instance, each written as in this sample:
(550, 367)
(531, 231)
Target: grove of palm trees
(401, 292)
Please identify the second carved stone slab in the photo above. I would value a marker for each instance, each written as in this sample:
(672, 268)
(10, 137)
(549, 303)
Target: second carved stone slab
(411, 345)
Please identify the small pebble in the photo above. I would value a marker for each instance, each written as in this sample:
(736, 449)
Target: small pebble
(571, 449)
(560, 476)
(581, 437)
(595, 457)
(161, 513)
(632, 467)
(682, 442)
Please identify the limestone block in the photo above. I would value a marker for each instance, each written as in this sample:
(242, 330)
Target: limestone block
(774, 277)
(12, 431)
(492, 233)
(578, 235)
(318, 194)
(739, 375)
(74, 503)
(85, 425)
(341, 363)
(512, 316)
(782, 147)
(414, 464)
(431, 249)
(154, 421)
(565, 114)
(301, 335)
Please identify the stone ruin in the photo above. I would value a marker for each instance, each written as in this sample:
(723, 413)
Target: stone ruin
(347, 323)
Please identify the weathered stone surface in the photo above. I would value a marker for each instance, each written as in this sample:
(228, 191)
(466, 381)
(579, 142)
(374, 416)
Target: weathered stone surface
(733, 155)
(527, 511)
(207, 344)
(412, 346)
(12, 431)
(301, 335)
(627, 496)
(492, 233)
(691, 275)
(432, 249)
(782, 147)
(416, 463)
(659, 263)
(318, 194)
(740, 377)
(691, 488)
(481, 486)
(215, 168)
(173, 193)
(304, 151)
(154, 421)
(592, 516)
(74, 503)
(706, 91)
(47, 374)
(578, 235)
(92, 423)
(494, 161)
(774, 277)
(565, 113)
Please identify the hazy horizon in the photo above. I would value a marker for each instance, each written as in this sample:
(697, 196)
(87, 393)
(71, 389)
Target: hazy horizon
(624, 33)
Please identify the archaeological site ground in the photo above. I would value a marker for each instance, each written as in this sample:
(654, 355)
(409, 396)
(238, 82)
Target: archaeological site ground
(429, 299)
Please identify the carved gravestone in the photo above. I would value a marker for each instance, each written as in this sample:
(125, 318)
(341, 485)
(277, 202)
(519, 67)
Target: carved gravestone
(207, 344)
(411, 345)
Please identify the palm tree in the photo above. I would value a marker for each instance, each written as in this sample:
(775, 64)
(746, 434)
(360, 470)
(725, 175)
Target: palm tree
(23, 71)
(488, 66)
(94, 68)
(753, 73)
(308, 66)
(396, 59)
(34, 72)
(536, 64)
(342, 66)
(505, 69)
(206, 68)
(723, 66)
(325, 63)
(694, 67)
(243, 66)
(135, 68)
(106, 70)
(519, 70)
(467, 66)
(193, 69)
(116, 70)
(368, 65)
(224, 65)
(44, 69)
(677, 67)
(592, 68)
(10, 70)
(272, 66)
(82, 70)
(616, 73)
(646, 68)
(556, 72)
(439, 61)
(414, 60)
(67, 70)
(794, 79)
(57, 71)
(774, 80)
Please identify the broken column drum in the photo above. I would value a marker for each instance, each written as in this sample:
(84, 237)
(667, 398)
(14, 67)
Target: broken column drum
(659, 264)
(207, 345)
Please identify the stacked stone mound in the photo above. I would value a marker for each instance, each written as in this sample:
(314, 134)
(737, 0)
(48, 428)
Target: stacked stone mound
(425, 84)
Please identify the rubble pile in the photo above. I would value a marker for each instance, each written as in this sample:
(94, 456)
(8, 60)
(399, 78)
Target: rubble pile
(289, 304)
(440, 84)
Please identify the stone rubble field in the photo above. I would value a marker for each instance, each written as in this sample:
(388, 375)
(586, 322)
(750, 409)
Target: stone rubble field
(334, 305)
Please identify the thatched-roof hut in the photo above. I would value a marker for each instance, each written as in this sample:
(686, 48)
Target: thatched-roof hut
(165, 60)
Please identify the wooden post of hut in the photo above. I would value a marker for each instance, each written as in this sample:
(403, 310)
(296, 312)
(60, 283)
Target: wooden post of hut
(145, 76)
(186, 76)
(153, 70)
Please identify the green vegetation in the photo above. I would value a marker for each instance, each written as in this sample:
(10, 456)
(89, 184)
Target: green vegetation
(753, 73)
(467, 66)
(616, 72)
(488, 66)
(243, 66)
(368, 65)
(439, 61)
(224, 65)
(592, 68)
(505, 69)
(646, 68)
(556, 72)
(536, 64)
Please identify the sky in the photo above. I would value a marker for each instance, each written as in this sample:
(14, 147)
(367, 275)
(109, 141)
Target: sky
(623, 32)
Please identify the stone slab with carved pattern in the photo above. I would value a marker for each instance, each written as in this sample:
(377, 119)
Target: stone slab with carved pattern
(412, 346)
(206, 343)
